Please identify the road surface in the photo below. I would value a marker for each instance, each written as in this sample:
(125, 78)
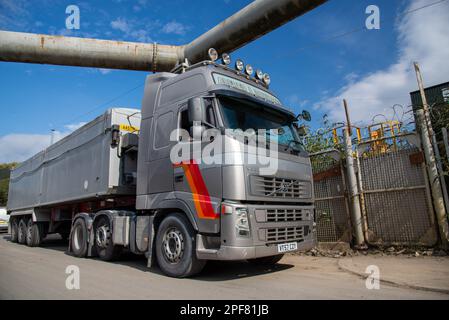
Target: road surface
(39, 273)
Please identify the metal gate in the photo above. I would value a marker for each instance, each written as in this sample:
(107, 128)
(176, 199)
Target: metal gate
(394, 191)
(333, 222)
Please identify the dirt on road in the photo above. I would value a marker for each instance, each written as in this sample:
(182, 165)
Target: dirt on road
(40, 273)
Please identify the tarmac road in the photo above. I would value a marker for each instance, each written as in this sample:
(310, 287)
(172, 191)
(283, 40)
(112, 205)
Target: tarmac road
(39, 273)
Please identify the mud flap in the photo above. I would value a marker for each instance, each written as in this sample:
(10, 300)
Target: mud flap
(151, 238)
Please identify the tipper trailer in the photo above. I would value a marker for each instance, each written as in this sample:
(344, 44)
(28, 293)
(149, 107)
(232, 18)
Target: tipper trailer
(113, 184)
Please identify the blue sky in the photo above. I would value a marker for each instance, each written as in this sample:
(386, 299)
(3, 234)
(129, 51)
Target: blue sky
(310, 64)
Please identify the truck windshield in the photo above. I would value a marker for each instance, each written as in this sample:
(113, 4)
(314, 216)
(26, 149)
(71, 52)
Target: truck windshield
(238, 115)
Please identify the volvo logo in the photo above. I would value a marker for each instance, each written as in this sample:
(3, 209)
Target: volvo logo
(283, 188)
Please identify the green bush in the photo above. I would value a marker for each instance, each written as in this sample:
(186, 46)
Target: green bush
(4, 181)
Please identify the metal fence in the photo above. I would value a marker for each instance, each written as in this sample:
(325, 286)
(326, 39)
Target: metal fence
(333, 221)
(393, 187)
(395, 199)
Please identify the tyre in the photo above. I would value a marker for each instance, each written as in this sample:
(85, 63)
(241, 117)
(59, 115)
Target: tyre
(22, 231)
(34, 234)
(106, 249)
(78, 238)
(14, 230)
(266, 261)
(176, 247)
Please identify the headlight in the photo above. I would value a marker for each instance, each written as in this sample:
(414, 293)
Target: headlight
(249, 69)
(259, 74)
(213, 54)
(242, 223)
(266, 79)
(226, 58)
(239, 65)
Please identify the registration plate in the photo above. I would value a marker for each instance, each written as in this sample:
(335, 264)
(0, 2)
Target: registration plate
(286, 247)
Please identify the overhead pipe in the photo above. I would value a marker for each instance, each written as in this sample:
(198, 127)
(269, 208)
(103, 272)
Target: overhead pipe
(84, 52)
(250, 23)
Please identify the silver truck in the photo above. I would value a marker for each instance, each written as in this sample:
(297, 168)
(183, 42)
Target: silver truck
(112, 185)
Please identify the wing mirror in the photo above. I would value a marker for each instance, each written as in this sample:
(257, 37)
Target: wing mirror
(196, 114)
(195, 108)
(306, 116)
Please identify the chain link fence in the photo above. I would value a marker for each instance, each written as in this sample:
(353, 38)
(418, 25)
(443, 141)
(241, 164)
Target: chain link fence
(395, 198)
(393, 186)
(333, 222)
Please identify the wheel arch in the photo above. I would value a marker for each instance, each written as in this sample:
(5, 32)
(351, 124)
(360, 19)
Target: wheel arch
(171, 206)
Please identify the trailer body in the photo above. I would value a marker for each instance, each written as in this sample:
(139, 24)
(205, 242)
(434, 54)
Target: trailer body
(80, 167)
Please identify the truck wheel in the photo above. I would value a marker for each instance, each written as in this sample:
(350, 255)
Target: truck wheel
(22, 231)
(176, 247)
(78, 238)
(14, 230)
(34, 234)
(106, 249)
(266, 261)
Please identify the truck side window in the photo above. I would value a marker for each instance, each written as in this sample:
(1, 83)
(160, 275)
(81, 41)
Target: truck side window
(210, 114)
(163, 128)
(184, 120)
(183, 124)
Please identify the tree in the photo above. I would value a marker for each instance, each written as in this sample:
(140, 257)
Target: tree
(5, 169)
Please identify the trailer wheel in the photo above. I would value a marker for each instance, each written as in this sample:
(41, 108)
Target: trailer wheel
(14, 230)
(176, 247)
(106, 249)
(34, 233)
(266, 261)
(22, 231)
(78, 238)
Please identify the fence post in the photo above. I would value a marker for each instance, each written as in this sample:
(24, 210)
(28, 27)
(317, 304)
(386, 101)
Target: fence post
(440, 170)
(354, 196)
(425, 126)
(446, 142)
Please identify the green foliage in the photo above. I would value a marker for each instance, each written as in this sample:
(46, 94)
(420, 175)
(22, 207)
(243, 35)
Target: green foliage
(4, 181)
(321, 140)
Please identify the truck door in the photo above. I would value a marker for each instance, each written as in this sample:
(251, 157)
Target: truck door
(196, 183)
(160, 167)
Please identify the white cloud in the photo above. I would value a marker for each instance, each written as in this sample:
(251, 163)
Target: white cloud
(13, 14)
(21, 146)
(422, 37)
(104, 71)
(140, 5)
(294, 100)
(175, 28)
(140, 35)
(120, 24)
(133, 29)
(74, 126)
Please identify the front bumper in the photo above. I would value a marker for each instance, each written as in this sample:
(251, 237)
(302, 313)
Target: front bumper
(269, 224)
(3, 228)
(243, 253)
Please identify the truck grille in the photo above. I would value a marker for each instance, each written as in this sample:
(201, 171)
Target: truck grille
(285, 234)
(280, 187)
(281, 215)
